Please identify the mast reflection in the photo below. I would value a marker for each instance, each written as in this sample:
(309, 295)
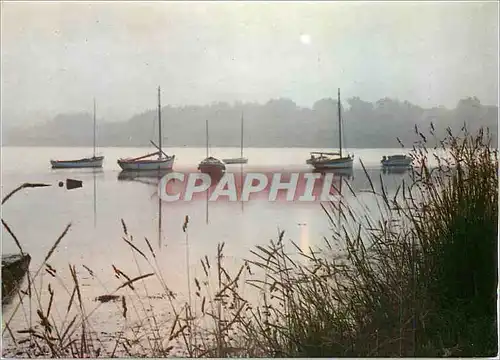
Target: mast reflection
(152, 178)
(215, 178)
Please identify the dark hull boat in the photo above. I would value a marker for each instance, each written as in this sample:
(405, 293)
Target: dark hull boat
(211, 165)
(14, 267)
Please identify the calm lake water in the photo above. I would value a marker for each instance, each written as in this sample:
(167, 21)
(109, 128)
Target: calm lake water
(38, 216)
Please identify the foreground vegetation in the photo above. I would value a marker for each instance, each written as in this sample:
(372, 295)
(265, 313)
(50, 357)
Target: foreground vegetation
(422, 281)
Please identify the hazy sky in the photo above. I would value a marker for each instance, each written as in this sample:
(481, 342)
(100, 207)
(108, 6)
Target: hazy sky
(57, 56)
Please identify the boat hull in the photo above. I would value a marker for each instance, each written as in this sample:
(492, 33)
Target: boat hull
(397, 163)
(235, 161)
(14, 267)
(147, 165)
(212, 169)
(337, 163)
(94, 162)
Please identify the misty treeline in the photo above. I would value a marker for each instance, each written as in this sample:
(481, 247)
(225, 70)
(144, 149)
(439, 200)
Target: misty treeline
(278, 123)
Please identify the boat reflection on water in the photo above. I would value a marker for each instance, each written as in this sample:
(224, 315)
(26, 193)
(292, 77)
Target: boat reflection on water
(339, 176)
(95, 172)
(241, 187)
(395, 169)
(215, 177)
(346, 173)
(152, 178)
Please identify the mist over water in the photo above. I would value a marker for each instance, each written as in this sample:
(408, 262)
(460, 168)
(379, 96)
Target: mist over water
(403, 69)
(38, 216)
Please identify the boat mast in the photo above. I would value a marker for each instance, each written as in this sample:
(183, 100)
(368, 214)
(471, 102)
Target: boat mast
(159, 124)
(206, 129)
(241, 150)
(340, 123)
(94, 128)
(159, 223)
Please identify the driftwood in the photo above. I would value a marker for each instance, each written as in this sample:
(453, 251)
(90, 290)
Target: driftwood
(107, 298)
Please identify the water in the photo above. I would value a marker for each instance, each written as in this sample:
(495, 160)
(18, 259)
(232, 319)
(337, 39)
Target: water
(38, 216)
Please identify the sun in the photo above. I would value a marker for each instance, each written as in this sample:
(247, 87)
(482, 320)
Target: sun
(305, 39)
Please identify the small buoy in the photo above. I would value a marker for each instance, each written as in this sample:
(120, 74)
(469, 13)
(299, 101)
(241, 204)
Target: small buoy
(61, 184)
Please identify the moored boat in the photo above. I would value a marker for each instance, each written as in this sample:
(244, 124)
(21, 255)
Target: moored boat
(232, 161)
(241, 159)
(163, 162)
(398, 160)
(89, 162)
(332, 160)
(140, 163)
(211, 165)
(14, 267)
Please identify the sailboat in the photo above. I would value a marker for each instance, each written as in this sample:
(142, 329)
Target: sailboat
(90, 162)
(211, 165)
(332, 160)
(241, 159)
(163, 162)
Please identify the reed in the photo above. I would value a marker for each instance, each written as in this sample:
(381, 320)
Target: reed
(420, 282)
(417, 279)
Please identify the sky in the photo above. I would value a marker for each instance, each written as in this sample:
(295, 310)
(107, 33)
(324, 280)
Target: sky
(57, 56)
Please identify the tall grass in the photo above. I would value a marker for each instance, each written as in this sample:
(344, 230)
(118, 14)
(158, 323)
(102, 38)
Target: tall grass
(421, 282)
(419, 279)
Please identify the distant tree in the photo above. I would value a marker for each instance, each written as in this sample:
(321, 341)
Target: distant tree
(279, 122)
(468, 102)
(325, 107)
(281, 103)
(359, 106)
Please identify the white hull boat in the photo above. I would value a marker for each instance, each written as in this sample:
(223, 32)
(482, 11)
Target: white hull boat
(396, 161)
(92, 162)
(232, 161)
(164, 163)
(332, 160)
(241, 159)
(142, 163)
(89, 162)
